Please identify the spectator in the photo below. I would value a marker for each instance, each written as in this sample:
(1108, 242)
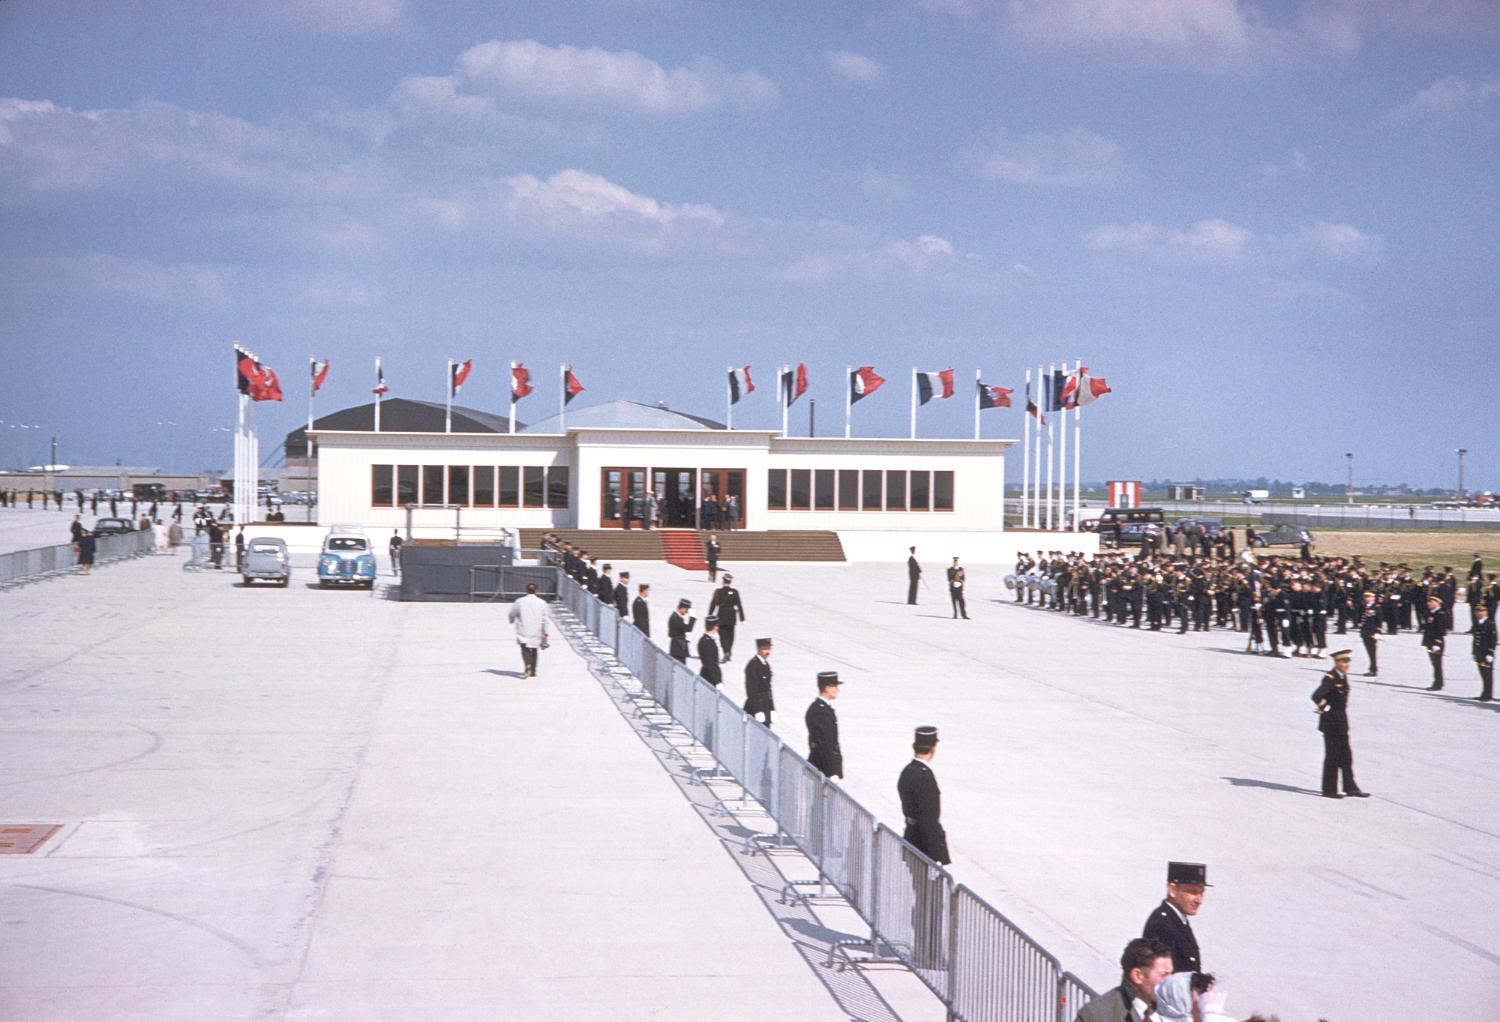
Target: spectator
(86, 544)
(1143, 965)
(1177, 996)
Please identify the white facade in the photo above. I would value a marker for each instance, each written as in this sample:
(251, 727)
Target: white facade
(959, 482)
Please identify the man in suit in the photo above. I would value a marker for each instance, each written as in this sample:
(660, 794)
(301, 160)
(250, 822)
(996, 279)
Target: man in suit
(1168, 923)
(1332, 699)
(1143, 965)
(1369, 630)
(640, 610)
(823, 749)
(711, 554)
(913, 576)
(1484, 651)
(758, 698)
(956, 589)
(679, 627)
(622, 595)
(730, 610)
(1434, 638)
(708, 652)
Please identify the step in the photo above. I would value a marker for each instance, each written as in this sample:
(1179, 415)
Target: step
(684, 548)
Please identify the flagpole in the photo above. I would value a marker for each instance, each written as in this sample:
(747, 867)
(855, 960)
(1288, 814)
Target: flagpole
(848, 398)
(448, 407)
(976, 424)
(379, 382)
(1036, 461)
(513, 396)
(728, 399)
(1062, 466)
(913, 402)
(1077, 442)
(1026, 459)
(312, 391)
(781, 385)
(562, 398)
(252, 490)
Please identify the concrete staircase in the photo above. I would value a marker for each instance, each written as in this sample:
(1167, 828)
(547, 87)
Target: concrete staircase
(638, 545)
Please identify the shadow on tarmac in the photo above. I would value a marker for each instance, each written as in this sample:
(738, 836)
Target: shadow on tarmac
(1250, 782)
(503, 674)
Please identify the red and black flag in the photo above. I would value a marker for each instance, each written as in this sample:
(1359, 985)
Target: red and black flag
(740, 384)
(997, 397)
(520, 381)
(458, 372)
(380, 387)
(863, 382)
(319, 373)
(256, 381)
(1032, 409)
(571, 387)
(793, 384)
(934, 385)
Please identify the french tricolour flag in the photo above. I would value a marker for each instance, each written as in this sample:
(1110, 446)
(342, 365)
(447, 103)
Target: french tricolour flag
(740, 384)
(863, 382)
(931, 385)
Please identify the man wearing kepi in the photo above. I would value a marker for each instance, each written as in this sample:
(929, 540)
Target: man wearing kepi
(922, 806)
(1186, 882)
(1332, 699)
(758, 681)
(823, 749)
(708, 652)
(1484, 651)
(679, 627)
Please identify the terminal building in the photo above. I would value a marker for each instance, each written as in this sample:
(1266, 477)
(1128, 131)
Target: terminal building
(593, 469)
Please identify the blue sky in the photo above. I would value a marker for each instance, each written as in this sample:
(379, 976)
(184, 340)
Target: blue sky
(1271, 227)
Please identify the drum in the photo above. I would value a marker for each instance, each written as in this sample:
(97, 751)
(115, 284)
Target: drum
(1010, 581)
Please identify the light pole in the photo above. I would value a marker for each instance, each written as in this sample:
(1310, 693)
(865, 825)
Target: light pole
(1461, 452)
(1349, 486)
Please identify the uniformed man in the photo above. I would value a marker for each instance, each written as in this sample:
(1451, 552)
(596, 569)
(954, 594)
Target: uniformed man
(640, 610)
(711, 555)
(823, 749)
(758, 697)
(708, 652)
(622, 595)
(1369, 629)
(1434, 638)
(1186, 882)
(956, 590)
(727, 606)
(1484, 651)
(679, 627)
(913, 576)
(1332, 700)
(604, 588)
(922, 806)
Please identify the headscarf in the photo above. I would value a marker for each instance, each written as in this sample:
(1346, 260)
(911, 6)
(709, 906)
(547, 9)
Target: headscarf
(1174, 998)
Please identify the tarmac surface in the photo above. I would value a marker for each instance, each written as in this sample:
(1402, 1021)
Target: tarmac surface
(306, 804)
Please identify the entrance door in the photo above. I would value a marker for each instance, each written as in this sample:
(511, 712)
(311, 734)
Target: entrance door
(676, 492)
(723, 498)
(622, 491)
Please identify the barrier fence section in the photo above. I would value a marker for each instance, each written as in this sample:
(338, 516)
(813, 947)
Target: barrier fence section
(39, 561)
(982, 966)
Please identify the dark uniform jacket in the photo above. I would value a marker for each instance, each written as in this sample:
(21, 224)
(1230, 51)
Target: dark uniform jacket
(1435, 631)
(640, 615)
(1333, 692)
(922, 805)
(823, 749)
(678, 629)
(726, 604)
(604, 589)
(1164, 925)
(622, 600)
(1484, 641)
(758, 686)
(708, 655)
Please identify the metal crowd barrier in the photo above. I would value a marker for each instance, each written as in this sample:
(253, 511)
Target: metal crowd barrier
(39, 562)
(981, 965)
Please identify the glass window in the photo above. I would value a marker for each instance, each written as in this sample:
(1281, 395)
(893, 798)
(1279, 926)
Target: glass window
(921, 499)
(895, 491)
(458, 484)
(848, 489)
(380, 485)
(801, 489)
(432, 484)
(510, 485)
(406, 484)
(942, 491)
(535, 494)
(484, 485)
(557, 487)
(872, 492)
(776, 490)
(823, 489)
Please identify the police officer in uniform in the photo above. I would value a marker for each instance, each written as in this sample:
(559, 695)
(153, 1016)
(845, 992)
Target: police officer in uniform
(922, 806)
(823, 749)
(758, 697)
(1186, 882)
(679, 627)
(622, 595)
(640, 610)
(1434, 638)
(1484, 651)
(956, 590)
(728, 608)
(708, 652)
(1369, 630)
(1332, 699)
(913, 576)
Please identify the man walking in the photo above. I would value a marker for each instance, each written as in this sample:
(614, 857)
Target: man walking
(1168, 924)
(913, 576)
(1434, 638)
(1484, 651)
(679, 627)
(711, 553)
(730, 610)
(758, 698)
(708, 653)
(823, 749)
(529, 615)
(1332, 699)
(395, 548)
(956, 590)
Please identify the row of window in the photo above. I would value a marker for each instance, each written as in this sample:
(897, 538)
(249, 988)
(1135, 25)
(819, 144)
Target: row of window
(538, 486)
(847, 489)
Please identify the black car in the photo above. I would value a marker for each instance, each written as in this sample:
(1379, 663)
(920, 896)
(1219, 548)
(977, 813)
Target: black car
(1130, 534)
(1283, 535)
(1212, 527)
(112, 526)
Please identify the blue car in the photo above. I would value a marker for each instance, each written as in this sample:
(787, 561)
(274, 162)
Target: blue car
(346, 557)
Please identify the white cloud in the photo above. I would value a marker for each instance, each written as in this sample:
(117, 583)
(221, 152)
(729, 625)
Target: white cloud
(595, 79)
(1219, 242)
(1447, 97)
(881, 187)
(855, 68)
(1295, 165)
(1066, 159)
(579, 194)
(926, 256)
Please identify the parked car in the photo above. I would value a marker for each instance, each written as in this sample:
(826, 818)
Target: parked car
(346, 557)
(1283, 535)
(1130, 534)
(1112, 520)
(112, 526)
(266, 557)
(1212, 527)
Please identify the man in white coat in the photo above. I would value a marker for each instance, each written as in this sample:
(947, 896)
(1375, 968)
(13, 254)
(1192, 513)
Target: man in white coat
(529, 615)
